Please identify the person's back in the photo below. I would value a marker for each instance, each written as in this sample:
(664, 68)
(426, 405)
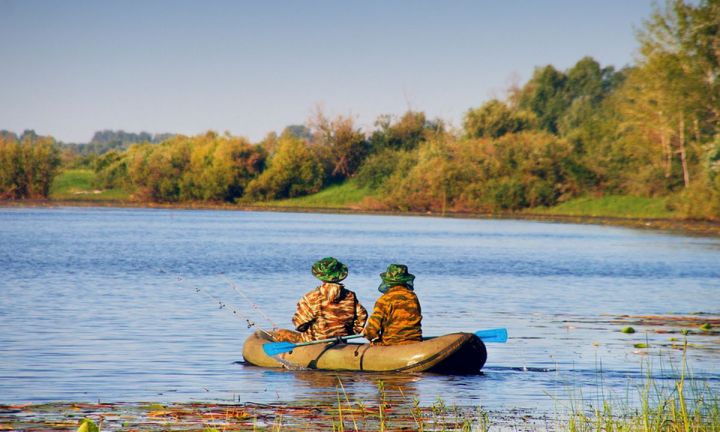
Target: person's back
(397, 316)
(329, 310)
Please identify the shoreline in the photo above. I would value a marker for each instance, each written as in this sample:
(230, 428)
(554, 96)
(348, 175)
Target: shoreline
(676, 226)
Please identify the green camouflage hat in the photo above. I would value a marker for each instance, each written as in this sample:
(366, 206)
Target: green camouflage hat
(329, 270)
(396, 274)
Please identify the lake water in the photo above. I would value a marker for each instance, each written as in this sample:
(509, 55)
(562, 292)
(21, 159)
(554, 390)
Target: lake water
(103, 304)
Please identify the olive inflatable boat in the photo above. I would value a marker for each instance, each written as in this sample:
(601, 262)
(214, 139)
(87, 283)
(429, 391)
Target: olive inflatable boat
(455, 353)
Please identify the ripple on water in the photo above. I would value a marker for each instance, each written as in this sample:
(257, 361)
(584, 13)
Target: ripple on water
(102, 304)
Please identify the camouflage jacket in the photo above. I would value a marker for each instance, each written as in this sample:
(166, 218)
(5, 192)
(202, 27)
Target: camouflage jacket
(396, 318)
(327, 311)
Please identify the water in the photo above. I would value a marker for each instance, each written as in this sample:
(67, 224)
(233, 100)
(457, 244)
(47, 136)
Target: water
(102, 304)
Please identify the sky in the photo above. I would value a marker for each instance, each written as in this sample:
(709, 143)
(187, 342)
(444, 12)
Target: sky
(71, 67)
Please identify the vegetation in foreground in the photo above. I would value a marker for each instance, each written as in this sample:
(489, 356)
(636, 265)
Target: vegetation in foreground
(665, 404)
(683, 406)
(650, 131)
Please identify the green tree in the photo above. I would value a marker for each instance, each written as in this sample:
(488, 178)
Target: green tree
(411, 129)
(544, 96)
(494, 119)
(27, 166)
(111, 170)
(294, 170)
(11, 168)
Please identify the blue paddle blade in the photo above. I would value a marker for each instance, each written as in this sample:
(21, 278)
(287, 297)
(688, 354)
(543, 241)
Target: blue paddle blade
(275, 348)
(499, 335)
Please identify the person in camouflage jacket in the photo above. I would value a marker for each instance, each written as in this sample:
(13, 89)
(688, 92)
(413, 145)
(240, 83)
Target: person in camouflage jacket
(396, 318)
(329, 310)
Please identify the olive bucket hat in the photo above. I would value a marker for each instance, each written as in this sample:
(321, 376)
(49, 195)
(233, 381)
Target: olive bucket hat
(396, 274)
(329, 270)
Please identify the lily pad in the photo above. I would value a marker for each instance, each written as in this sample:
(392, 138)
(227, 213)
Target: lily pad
(628, 330)
(706, 327)
(641, 345)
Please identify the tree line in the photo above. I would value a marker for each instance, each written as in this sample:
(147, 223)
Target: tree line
(647, 130)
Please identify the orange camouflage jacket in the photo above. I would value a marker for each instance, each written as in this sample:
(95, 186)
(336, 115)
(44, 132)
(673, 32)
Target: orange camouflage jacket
(329, 310)
(396, 318)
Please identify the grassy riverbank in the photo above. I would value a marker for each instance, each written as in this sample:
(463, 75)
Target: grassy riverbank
(77, 185)
(75, 188)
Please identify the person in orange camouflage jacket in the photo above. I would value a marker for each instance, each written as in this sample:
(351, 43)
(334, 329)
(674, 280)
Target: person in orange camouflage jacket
(329, 310)
(396, 318)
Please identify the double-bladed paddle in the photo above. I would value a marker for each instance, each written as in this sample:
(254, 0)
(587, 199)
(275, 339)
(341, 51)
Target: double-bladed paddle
(498, 335)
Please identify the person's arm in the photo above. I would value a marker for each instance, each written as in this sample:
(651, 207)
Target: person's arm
(304, 315)
(361, 316)
(374, 326)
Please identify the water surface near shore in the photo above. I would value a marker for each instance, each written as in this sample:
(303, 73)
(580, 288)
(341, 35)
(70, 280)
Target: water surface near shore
(102, 304)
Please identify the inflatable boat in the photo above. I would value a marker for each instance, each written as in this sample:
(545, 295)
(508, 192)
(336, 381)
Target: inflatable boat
(455, 353)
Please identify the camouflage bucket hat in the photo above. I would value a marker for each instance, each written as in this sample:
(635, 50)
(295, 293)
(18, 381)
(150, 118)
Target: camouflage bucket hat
(329, 270)
(396, 274)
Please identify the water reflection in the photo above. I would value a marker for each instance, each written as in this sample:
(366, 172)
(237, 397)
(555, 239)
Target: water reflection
(326, 387)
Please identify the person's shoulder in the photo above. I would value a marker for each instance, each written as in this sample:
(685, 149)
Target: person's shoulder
(402, 293)
(312, 294)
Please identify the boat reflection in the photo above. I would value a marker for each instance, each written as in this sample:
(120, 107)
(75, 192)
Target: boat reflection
(350, 387)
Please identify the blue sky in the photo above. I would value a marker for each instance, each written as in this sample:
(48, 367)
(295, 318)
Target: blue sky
(73, 67)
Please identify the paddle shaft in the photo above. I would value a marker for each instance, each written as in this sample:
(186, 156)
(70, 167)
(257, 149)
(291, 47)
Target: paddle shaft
(356, 336)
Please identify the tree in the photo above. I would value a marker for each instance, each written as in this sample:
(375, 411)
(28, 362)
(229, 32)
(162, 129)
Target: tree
(671, 97)
(341, 146)
(494, 119)
(294, 170)
(407, 133)
(544, 96)
(28, 165)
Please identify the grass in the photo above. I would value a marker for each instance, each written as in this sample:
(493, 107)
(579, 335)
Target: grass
(77, 185)
(610, 206)
(683, 406)
(345, 195)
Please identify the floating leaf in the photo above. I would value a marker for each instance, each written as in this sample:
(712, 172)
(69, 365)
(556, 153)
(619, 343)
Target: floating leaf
(641, 345)
(628, 330)
(705, 327)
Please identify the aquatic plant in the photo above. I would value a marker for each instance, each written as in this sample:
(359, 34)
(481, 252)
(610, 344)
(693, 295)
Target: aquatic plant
(684, 406)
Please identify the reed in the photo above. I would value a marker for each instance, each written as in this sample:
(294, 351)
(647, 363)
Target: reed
(685, 405)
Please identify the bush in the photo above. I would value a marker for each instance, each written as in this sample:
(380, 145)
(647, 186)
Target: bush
(27, 166)
(378, 167)
(294, 170)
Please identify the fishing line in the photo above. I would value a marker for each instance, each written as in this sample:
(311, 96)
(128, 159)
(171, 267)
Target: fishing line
(221, 304)
(255, 307)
